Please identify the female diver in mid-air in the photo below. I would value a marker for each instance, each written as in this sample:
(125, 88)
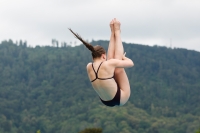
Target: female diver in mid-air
(106, 73)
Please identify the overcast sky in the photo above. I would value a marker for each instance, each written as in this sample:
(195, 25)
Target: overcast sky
(147, 22)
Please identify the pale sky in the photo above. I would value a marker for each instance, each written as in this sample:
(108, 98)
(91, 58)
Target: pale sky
(148, 22)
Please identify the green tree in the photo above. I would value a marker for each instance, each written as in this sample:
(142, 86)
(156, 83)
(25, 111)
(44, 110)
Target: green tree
(38, 131)
(91, 130)
(47, 88)
(198, 131)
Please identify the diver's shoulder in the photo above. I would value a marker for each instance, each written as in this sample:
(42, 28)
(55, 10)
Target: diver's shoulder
(88, 65)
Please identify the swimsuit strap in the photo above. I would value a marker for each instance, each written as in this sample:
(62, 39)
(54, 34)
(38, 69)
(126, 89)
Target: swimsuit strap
(94, 70)
(96, 73)
(98, 68)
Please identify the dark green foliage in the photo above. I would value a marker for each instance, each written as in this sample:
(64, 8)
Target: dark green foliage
(198, 131)
(91, 130)
(46, 89)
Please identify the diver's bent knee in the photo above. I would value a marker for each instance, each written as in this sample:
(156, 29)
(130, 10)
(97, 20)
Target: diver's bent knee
(122, 102)
(124, 98)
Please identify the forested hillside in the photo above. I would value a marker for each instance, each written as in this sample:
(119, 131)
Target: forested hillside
(47, 89)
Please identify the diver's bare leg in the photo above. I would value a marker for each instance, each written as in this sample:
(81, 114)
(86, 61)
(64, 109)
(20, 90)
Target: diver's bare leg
(111, 47)
(119, 49)
(120, 74)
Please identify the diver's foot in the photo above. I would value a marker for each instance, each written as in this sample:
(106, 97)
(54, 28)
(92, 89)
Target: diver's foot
(112, 26)
(117, 26)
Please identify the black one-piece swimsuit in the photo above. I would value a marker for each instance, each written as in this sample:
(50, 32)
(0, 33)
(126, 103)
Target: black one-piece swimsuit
(116, 99)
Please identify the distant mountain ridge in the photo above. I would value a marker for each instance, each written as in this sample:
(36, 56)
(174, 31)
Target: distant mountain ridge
(47, 89)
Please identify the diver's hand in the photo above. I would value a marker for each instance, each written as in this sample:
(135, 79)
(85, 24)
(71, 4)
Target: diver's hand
(124, 56)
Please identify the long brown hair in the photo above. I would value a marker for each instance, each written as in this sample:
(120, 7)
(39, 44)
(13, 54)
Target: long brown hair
(97, 50)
